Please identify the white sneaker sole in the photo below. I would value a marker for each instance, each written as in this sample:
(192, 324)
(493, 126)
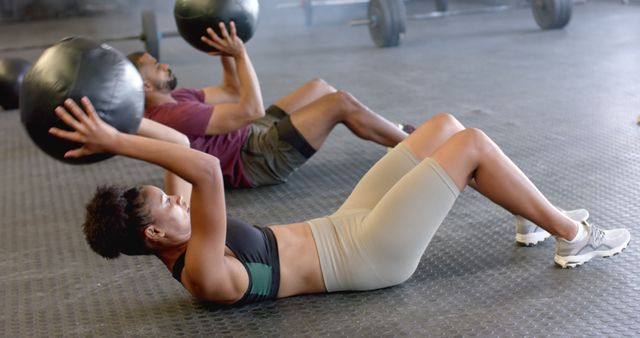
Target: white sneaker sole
(573, 261)
(532, 238)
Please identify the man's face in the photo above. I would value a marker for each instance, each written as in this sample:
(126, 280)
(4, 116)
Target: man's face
(158, 75)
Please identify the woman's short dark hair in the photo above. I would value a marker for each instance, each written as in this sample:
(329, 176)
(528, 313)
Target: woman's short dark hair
(115, 220)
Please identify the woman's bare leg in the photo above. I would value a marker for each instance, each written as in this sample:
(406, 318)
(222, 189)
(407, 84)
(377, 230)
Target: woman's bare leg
(471, 154)
(433, 134)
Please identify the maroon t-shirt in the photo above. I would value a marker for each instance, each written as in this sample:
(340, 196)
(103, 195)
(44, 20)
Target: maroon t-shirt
(190, 116)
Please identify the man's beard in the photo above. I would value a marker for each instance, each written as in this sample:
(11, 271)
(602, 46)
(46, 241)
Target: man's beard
(170, 84)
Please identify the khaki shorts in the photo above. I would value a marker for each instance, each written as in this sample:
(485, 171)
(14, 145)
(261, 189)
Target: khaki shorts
(273, 149)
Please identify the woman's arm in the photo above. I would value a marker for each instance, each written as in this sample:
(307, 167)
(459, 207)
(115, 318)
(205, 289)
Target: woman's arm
(96, 136)
(209, 275)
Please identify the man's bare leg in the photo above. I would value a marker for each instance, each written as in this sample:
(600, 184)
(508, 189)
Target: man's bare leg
(304, 95)
(316, 120)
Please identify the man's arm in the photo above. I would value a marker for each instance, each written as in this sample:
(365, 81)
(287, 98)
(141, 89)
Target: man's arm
(229, 90)
(229, 117)
(173, 184)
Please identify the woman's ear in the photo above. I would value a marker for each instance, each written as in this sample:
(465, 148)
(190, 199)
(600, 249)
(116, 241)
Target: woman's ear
(153, 233)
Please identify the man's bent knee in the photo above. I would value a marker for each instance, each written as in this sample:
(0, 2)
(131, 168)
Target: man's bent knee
(344, 99)
(321, 85)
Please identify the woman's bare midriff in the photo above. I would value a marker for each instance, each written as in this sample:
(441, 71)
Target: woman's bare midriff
(300, 271)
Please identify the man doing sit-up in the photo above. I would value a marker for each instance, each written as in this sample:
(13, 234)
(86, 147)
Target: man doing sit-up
(229, 121)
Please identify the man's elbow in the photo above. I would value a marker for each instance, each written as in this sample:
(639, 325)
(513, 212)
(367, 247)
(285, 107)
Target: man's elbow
(256, 112)
(251, 115)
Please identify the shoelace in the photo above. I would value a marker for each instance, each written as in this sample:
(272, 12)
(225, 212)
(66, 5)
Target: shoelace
(596, 234)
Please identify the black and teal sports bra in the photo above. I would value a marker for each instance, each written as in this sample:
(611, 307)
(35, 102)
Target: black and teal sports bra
(256, 248)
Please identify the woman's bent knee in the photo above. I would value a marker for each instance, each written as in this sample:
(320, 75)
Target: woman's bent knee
(477, 140)
(450, 120)
(447, 122)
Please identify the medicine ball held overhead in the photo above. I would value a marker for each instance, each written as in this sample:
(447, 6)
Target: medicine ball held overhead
(12, 71)
(194, 16)
(73, 68)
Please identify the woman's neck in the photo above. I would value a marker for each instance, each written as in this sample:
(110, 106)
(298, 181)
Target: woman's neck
(169, 256)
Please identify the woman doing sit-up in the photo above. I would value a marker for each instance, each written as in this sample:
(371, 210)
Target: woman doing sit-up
(374, 240)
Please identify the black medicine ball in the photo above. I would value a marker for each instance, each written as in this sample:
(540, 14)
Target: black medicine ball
(73, 68)
(193, 17)
(12, 71)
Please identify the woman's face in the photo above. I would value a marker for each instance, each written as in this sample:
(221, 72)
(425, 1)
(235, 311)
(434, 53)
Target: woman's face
(170, 213)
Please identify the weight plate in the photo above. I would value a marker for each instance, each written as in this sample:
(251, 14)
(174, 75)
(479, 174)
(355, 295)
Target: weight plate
(566, 15)
(150, 34)
(552, 14)
(400, 17)
(385, 22)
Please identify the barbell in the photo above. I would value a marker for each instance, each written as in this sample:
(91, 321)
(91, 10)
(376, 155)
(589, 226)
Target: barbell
(150, 36)
(387, 18)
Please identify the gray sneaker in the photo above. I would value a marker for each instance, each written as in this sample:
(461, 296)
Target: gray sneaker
(530, 234)
(596, 243)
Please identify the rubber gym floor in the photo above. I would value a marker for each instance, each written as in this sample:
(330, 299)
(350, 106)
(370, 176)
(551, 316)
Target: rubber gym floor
(562, 104)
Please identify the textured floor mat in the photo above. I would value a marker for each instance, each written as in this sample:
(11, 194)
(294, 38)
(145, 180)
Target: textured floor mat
(561, 103)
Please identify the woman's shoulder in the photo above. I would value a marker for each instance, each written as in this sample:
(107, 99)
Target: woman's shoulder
(224, 284)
